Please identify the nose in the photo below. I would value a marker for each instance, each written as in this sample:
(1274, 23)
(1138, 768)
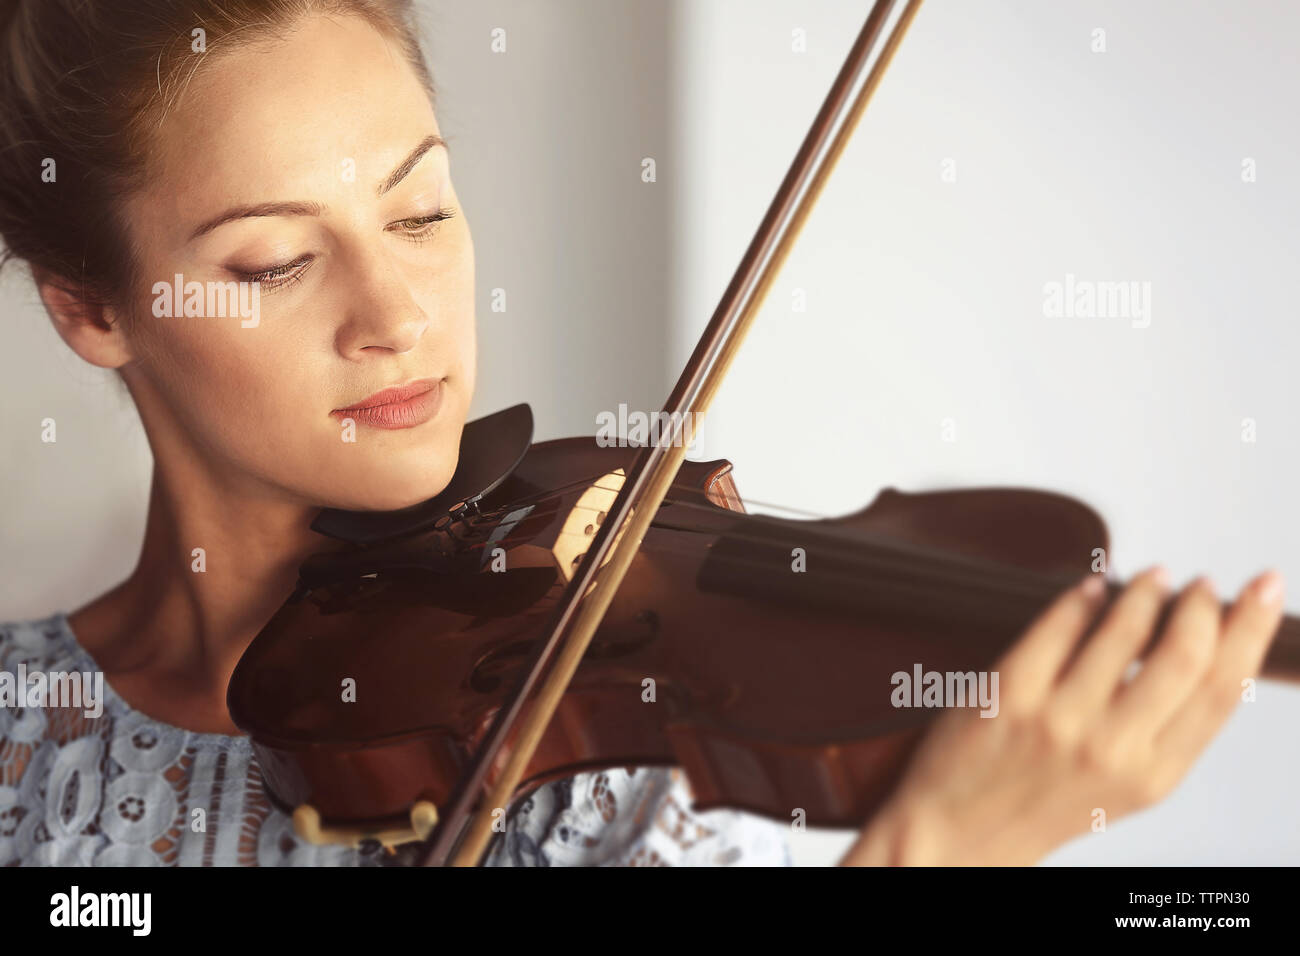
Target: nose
(382, 314)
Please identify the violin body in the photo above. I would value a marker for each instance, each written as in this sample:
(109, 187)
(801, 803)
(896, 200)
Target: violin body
(755, 652)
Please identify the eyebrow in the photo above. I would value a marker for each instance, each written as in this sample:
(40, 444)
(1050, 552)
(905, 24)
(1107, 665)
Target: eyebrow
(408, 164)
(299, 208)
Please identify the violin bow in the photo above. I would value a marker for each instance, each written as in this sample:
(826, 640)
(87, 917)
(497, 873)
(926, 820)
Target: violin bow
(459, 838)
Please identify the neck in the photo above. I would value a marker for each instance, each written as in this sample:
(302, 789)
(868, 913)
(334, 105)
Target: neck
(214, 567)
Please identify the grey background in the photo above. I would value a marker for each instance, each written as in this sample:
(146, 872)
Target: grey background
(924, 298)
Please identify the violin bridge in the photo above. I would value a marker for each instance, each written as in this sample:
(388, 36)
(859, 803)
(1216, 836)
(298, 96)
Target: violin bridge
(584, 520)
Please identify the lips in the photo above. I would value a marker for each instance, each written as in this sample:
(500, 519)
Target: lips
(401, 406)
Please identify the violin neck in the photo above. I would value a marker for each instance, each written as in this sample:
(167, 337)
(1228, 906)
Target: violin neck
(874, 576)
(1282, 662)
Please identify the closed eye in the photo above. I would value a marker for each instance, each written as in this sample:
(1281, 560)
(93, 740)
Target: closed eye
(422, 228)
(414, 228)
(275, 276)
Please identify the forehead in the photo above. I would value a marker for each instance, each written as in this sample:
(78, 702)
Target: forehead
(278, 117)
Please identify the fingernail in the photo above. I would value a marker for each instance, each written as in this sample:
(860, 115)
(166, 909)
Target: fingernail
(1268, 589)
(1160, 575)
(1206, 584)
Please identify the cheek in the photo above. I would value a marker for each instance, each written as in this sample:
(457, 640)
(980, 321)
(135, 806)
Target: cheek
(247, 389)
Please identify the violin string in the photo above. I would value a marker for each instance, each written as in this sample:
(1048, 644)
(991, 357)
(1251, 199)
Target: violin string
(724, 499)
(959, 588)
(745, 503)
(986, 591)
(898, 561)
(714, 511)
(896, 558)
(1003, 606)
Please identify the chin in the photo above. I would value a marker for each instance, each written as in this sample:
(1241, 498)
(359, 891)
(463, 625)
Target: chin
(394, 489)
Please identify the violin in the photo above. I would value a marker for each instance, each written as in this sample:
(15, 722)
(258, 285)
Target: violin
(561, 607)
(769, 686)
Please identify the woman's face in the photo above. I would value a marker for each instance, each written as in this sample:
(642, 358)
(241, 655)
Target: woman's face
(309, 164)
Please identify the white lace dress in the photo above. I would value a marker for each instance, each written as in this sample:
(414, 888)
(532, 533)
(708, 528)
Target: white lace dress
(122, 789)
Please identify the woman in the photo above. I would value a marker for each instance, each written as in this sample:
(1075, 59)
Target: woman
(291, 147)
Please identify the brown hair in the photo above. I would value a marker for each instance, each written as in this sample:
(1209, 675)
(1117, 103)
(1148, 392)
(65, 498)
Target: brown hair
(83, 83)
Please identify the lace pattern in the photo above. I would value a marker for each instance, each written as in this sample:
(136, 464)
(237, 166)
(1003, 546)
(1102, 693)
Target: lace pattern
(122, 789)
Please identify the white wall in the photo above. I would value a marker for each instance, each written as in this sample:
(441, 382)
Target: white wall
(925, 300)
(546, 143)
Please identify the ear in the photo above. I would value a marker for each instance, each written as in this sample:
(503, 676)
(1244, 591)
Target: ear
(91, 329)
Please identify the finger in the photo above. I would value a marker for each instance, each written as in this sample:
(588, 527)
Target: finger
(1030, 668)
(1174, 668)
(1090, 681)
(1248, 630)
